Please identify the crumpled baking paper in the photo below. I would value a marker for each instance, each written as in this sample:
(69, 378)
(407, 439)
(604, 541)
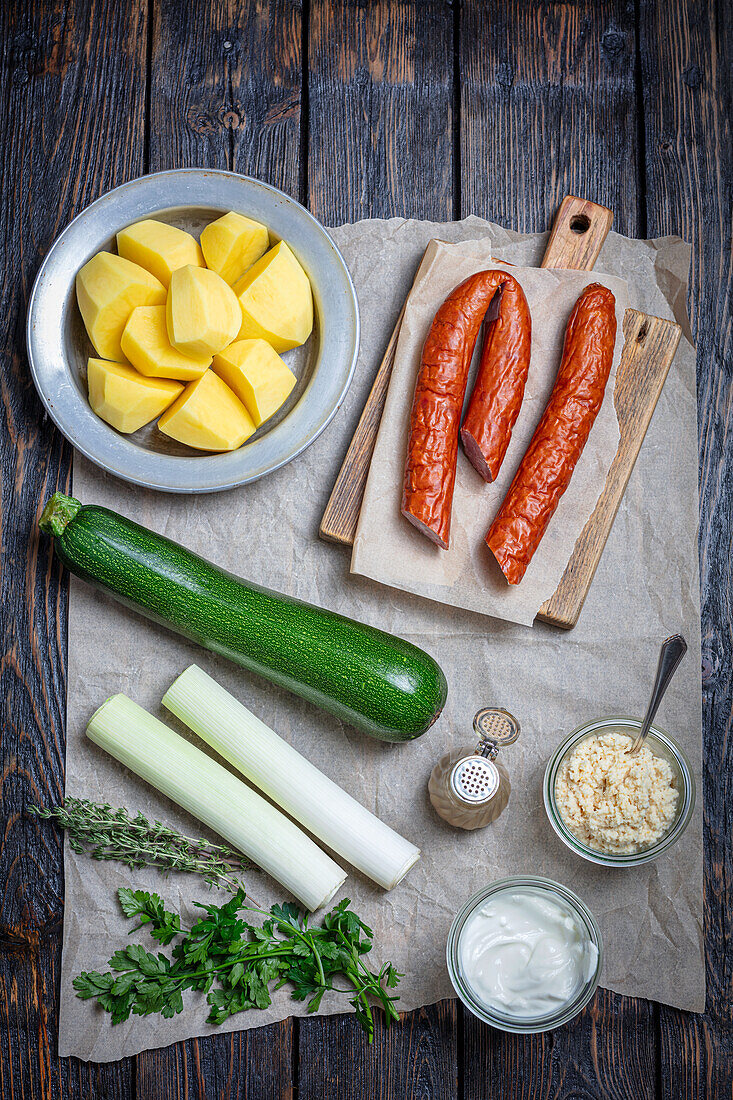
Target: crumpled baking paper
(389, 549)
(646, 587)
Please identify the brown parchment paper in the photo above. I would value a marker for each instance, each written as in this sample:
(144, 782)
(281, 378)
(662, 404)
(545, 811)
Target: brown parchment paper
(646, 587)
(389, 549)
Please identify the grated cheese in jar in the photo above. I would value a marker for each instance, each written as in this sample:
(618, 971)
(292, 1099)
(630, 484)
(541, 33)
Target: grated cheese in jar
(614, 802)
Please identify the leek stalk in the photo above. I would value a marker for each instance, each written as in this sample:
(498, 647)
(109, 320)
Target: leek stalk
(304, 792)
(211, 793)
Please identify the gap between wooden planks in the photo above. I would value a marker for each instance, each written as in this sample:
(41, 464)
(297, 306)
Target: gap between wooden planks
(578, 233)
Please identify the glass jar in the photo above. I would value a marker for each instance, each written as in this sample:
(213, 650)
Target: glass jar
(527, 1025)
(658, 742)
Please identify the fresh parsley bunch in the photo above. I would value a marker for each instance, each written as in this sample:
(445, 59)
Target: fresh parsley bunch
(237, 964)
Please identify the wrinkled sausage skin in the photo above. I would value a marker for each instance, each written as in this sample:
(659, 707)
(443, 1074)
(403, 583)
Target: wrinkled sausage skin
(432, 450)
(499, 388)
(547, 467)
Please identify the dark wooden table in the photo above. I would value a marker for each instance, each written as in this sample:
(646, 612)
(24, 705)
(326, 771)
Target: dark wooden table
(359, 109)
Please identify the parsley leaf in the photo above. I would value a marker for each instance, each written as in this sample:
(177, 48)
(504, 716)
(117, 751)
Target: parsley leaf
(238, 964)
(150, 910)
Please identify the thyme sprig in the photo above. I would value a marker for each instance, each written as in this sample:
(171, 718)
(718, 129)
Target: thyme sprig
(107, 833)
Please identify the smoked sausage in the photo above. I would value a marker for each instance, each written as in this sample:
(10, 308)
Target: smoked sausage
(432, 451)
(499, 387)
(557, 444)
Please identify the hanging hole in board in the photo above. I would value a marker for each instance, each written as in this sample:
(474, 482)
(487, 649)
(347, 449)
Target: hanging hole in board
(580, 223)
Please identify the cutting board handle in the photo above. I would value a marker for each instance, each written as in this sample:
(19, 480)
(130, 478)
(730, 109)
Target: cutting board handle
(577, 235)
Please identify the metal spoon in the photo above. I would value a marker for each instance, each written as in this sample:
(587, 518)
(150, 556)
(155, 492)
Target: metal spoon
(671, 653)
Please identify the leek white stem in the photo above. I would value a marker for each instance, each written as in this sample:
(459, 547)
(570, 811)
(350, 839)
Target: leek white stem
(207, 790)
(286, 777)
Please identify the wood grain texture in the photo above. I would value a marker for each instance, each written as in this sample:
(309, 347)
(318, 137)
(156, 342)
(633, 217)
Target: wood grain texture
(226, 88)
(225, 93)
(73, 90)
(255, 1064)
(650, 344)
(548, 108)
(415, 1059)
(596, 1057)
(380, 95)
(686, 65)
(577, 235)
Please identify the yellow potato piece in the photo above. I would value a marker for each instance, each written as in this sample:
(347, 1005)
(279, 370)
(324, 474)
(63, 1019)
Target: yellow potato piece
(158, 247)
(202, 312)
(145, 343)
(208, 416)
(124, 398)
(276, 300)
(232, 243)
(108, 288)
(258, 376)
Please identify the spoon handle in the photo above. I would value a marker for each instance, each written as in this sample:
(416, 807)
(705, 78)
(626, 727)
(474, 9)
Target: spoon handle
(671, 653)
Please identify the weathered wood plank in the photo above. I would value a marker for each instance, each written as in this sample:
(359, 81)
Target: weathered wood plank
(72, 87)
(548, 107)
(687, 59)
(412, 1060)
(249, 1064)
(225, 89)
(267, 77)
(596, 1057)
(225, 93)
(578, 234)
(380, 87)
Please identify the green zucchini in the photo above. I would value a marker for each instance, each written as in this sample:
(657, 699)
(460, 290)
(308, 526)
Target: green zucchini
(375, 681)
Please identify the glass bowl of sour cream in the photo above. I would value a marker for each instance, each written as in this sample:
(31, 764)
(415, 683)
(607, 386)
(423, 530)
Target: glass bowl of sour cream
(614, 809)
(525, 954)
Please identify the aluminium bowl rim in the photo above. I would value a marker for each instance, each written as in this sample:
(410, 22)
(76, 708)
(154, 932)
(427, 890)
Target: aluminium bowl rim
(124, 455)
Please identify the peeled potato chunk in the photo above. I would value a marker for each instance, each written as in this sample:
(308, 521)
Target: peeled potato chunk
(202, 312)
(208, 416)
(108, 288)
(145, 343)
(124, 398)
(232, 243)
(258, 376)
(158, 247)
(276, 300)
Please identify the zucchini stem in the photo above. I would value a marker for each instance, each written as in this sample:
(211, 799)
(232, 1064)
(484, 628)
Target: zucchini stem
(59, 511)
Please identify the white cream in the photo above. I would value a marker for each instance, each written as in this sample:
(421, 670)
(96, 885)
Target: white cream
(524, 953)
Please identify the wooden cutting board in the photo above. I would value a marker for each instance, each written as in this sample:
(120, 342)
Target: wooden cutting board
(578, 233)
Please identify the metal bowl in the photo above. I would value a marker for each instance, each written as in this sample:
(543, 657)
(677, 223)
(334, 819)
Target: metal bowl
(58, 346)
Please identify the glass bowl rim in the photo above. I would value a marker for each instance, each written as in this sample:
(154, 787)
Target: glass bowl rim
(618, 859)
(526, 1025)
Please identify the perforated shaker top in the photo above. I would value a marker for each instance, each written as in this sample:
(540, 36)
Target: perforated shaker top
(474, 779)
